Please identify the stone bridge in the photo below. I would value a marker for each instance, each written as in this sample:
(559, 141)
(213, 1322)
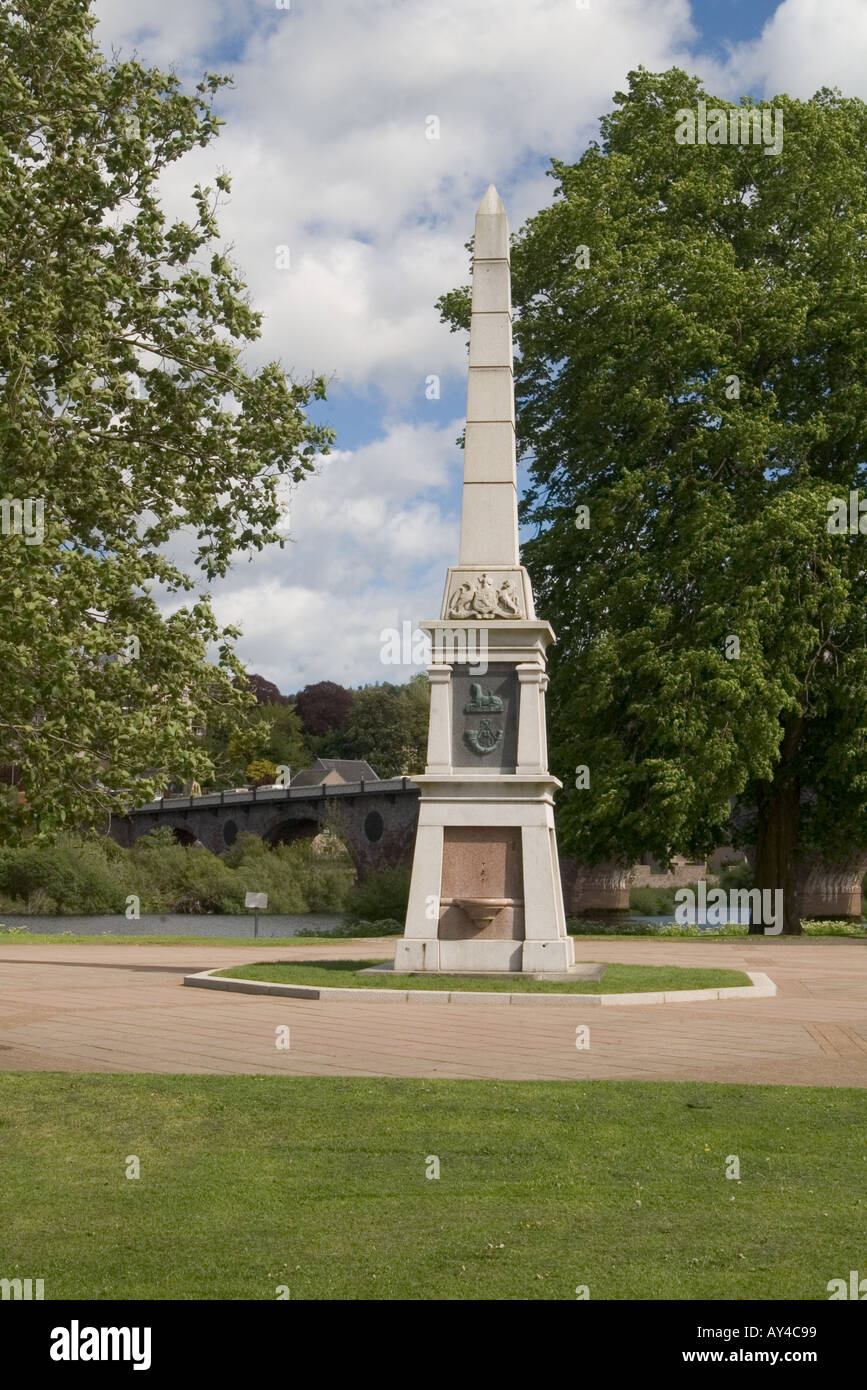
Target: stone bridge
(375, 820)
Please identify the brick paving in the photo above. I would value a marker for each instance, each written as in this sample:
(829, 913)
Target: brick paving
(124, 1009)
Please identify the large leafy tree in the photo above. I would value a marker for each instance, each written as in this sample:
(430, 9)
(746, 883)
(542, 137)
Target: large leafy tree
(388, 726)
(696, 378)
(266, 691)
(323, 707)
(127, 415)
(270, 732)
(285, 742)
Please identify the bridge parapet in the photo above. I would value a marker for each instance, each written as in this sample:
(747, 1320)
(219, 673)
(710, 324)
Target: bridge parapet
(242, 795)
(375, 819)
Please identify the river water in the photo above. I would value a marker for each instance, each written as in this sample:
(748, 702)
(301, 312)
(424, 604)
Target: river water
(226, 924)
(178, 924)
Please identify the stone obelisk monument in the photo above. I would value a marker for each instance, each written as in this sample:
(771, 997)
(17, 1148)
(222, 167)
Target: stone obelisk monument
(485, 894)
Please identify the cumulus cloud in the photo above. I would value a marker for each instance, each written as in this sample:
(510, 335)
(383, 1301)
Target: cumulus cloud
(326, 141)
(805, 45)
(370, 539)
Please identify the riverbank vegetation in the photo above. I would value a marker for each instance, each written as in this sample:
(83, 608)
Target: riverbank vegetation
(83, 876)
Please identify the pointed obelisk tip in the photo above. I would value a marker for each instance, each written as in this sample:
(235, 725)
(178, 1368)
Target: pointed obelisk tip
(491, 204)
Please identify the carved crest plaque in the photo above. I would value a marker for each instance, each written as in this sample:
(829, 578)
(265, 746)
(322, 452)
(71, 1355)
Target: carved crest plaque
(484, 718)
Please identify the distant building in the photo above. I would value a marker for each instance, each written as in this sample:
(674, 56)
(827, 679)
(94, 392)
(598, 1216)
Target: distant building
(332, 772)
(650, 873)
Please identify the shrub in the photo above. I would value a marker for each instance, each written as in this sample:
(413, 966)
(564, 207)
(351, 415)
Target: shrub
(170, 878)
(155, 839)
(67, 875)
(295, 878)
(587, 926)
(736, 876)
(90, 876)
(661, 902)
(583, 926)
(326, 883)
(821, 926)
(653, 902)
(381, 895)
(261, 772)
(386, 927)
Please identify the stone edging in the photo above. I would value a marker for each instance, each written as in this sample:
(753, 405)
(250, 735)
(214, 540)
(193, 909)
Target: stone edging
(762, 987)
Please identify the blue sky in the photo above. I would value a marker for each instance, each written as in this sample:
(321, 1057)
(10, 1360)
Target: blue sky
(327, 144)
(722, 23)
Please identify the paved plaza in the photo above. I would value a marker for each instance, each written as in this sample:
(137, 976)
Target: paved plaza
(125, 1009)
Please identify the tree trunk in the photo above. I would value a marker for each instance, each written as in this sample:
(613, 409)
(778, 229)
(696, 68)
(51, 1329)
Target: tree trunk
(779, 804)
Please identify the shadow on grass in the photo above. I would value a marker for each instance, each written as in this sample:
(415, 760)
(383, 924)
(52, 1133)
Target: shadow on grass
(350, 967)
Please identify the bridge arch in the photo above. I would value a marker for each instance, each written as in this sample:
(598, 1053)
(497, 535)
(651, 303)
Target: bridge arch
(184, 836)
(289, 829)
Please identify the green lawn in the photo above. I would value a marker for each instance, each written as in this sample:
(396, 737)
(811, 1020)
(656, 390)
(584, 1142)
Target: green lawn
(319, 1183)
(618, 979)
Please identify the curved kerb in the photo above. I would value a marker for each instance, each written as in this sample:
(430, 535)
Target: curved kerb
(762, 987)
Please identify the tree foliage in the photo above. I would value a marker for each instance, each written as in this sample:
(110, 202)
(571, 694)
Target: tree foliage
(266, 731)
(388, 726)
(700, 387)
(266, 692)
(261, 772)
(128, 416)
(323, 707)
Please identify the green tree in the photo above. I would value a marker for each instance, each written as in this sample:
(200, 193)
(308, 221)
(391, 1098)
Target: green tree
(269, 731)
(231, 738)
(700, 389)
(260, 772)
(126, 416)
(285, 742)
(387, 726)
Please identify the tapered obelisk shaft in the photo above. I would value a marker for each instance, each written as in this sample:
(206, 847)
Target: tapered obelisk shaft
(489, 513)
(485, 894)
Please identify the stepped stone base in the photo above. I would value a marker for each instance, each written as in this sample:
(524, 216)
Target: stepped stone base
(584, 971)
(484, 957)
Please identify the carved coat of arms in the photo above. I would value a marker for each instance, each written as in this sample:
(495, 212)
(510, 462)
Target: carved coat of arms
(482, 599)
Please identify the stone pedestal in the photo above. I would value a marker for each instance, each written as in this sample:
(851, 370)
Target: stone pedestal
(485, 892)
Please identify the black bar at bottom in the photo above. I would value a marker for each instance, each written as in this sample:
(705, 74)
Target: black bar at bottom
(222, 1338)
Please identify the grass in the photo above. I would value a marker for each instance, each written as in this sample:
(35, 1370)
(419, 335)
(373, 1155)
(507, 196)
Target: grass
(618, 979)
(597, 929)
(318, 1183)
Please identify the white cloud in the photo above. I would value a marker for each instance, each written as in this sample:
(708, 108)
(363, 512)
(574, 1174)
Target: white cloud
(374, 534)
(175, 33)
(805, 45)
(325, 141)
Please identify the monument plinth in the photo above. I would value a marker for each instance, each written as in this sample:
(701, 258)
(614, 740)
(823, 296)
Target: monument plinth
(485, 893)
